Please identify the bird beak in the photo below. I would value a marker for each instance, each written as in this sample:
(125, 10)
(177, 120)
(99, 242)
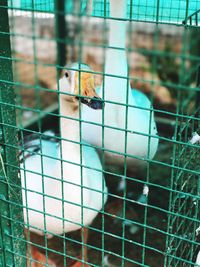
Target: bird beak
(88, 96)
(95, 102)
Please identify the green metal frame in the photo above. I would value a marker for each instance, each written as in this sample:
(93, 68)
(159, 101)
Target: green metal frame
(61, 33)
(13, 247)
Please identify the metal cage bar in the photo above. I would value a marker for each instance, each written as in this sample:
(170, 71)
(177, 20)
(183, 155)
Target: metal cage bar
(13, 247)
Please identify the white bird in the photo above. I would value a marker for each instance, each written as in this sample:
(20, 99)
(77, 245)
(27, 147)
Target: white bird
(195, 138)
(197, 263)
(58, 195)
(131, 128)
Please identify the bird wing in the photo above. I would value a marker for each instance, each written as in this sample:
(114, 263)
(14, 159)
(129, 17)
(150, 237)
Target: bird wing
(36, 143)
(141, 100)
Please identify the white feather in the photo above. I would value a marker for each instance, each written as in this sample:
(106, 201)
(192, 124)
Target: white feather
(137, 119)
(58, 195)
(197, 263)
(195, 138)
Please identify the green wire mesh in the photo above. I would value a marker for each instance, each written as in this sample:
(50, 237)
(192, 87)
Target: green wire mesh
(173, 12)
(163, 53)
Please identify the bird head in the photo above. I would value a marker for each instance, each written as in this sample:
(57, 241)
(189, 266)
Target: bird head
(79, 83)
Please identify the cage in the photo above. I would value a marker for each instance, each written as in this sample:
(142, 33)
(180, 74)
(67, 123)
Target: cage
(147, 207)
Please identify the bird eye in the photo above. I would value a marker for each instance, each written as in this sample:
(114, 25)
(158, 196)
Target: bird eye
(66, 75)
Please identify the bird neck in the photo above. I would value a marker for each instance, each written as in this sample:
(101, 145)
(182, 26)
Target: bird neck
(117, 35)
(70, 134)
(116, 58)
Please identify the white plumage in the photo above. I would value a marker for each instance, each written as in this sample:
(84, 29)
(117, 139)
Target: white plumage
(197, 263)
(55, 197)
(137, 120)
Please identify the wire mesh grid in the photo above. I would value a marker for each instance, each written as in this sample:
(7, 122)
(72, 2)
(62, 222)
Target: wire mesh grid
(151, 215)
(173, 12)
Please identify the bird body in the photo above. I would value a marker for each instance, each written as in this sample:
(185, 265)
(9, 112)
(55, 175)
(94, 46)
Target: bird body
(58, 194)
(129, 125)
(53, 201)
